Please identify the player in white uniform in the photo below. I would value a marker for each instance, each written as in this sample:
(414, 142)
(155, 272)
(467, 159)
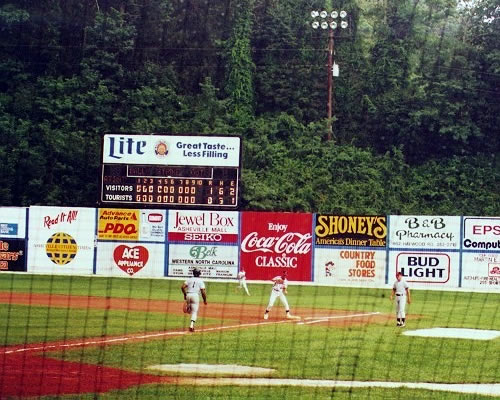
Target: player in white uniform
(280, 284)
(242, 278)
(401, 290)
(191, 289)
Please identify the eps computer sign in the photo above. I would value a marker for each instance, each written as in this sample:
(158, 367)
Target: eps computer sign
(177, 171)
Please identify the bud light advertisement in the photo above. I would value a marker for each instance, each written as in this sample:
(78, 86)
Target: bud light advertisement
(426, 269)
(274, 242)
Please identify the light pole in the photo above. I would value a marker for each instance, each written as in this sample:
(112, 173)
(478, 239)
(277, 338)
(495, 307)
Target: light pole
(328, 20)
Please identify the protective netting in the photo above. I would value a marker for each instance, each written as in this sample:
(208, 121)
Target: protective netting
(103, 337)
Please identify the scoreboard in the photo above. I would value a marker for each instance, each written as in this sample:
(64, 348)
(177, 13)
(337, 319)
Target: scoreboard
(178, 186)
(172, 171)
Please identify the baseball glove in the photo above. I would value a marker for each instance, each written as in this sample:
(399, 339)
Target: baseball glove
(186, 308)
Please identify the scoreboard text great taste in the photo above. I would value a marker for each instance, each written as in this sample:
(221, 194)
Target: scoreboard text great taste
(176, 171)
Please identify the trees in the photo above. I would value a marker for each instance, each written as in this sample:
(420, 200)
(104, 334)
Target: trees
(416, 104)
(240, 70)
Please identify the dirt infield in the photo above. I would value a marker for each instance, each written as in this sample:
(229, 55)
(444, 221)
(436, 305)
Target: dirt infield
(26, 372)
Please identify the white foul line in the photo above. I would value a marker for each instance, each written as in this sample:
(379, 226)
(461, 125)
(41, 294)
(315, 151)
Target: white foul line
(326, 319)
(492, 389)
(91, 342)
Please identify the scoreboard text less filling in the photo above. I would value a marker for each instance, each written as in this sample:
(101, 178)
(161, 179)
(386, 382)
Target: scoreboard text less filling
(170, 185)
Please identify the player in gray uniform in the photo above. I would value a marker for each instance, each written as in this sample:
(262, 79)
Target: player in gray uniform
(191, 289)
(401, 290)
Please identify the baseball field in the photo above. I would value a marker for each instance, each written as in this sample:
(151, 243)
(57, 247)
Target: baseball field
(112, 338)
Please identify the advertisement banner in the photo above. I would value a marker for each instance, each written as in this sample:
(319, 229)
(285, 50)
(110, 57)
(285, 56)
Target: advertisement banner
(350, 267)
(273, 242)
(130, 224)
(481, 233)
(12, 255)
(481, 271)
(145, 260)
(171, 150)
(352, 230)
(424, 269)
(61, 240)
(118, 224)
(434, 232)
(213, 261)
(203, 226)
(153, 226)
(13, 222)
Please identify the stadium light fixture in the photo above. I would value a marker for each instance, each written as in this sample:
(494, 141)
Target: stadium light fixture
(328, 20)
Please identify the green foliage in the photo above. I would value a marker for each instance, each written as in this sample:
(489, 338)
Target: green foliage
(416, 100)
(239, 85)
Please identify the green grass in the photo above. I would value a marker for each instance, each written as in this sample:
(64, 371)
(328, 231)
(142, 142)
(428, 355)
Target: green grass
(155, 392)
(371, 352)
(313, 352)
(35, 324)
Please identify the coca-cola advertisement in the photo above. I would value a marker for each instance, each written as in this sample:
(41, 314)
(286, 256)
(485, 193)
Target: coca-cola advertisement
(273, 242)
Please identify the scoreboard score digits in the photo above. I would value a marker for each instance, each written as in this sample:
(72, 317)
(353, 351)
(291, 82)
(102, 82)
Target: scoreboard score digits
(174, 171)
(212, 187)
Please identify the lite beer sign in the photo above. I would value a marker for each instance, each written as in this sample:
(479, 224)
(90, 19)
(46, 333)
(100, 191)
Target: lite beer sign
(424, 267)
(181, 150)
(122, 146)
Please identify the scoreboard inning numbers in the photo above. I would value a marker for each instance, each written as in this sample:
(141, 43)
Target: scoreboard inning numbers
(172, 171)
(186, 186)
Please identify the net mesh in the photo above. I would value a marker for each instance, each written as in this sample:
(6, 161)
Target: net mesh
(129, 338)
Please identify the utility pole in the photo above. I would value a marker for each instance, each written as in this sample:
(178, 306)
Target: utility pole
(327, 20)
(329, 133)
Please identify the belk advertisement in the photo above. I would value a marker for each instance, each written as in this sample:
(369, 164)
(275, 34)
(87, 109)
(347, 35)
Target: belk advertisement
(213, 261)
(273, 242)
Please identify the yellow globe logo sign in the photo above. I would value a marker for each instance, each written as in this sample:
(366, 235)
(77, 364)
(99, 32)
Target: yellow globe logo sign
(61, 248)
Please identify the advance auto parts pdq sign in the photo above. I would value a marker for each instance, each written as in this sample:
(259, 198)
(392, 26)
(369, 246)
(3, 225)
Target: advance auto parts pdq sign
(118, 224)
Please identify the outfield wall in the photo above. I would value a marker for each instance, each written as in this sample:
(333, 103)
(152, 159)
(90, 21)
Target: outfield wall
(432, 252)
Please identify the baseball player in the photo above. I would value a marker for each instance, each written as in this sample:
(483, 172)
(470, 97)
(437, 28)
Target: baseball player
(242, 278)
(191, 289)
(402, 292)
(280, 284)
